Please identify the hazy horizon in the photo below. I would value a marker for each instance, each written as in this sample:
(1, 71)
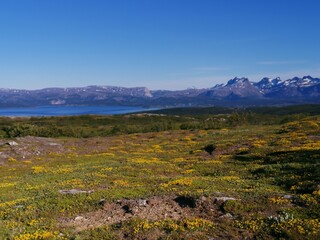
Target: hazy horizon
(152, 89)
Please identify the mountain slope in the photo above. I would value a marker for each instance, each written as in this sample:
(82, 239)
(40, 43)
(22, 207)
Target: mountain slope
(60, 96)
(235, 88)
(236, 92)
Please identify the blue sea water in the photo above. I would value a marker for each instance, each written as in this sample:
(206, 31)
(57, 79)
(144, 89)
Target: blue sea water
(68, 110)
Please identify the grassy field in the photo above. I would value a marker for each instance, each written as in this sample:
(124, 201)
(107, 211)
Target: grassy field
(233, 180)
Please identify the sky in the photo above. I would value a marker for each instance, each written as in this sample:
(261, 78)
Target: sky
(159, 44)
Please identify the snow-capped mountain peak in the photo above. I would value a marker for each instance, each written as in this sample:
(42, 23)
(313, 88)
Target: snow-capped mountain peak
(267, 87)
(266, 83)
(237, 80)
(303, 82)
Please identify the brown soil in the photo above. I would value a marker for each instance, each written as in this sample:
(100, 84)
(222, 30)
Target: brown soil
(154, 209)
(28, 147)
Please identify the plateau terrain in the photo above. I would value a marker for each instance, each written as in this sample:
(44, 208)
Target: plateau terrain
(200, 173)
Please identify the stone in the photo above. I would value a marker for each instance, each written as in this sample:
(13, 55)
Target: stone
(12, 143)
(19, 206)
(79, 218)
(224, 199)
(287, 196)
(203, 198)
(227, 215)
(102, 201)
(142, 202)
(54, 144)
(74, 191)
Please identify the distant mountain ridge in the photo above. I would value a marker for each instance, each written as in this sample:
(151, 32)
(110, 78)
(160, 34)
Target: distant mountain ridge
(268, 87)
(237, 91)
(71, 96)
(235, 88)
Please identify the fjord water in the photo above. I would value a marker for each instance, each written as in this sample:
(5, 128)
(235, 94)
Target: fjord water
(68, 110)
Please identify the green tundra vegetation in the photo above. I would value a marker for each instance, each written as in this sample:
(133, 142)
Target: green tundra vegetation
(212, 174)
(155, 121)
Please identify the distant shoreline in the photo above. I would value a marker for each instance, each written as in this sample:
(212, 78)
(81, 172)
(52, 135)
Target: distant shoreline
(55, 110)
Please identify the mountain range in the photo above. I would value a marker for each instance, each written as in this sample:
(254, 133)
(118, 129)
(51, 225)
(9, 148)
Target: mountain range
(236, 92)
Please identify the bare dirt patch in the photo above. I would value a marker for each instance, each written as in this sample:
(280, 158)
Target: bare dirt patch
(154, 209)
(27, 147)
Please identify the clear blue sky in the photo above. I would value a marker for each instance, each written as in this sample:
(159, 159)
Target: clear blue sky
(160, 44)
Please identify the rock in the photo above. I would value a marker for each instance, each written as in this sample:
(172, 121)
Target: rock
(288, 196)
(224, 199)
(227, 215)
(79, 218)
(102, 201)
(74, 191)
(142, 202)
(12, 143)
(19, 206)
(203, 199)
(54, 144)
